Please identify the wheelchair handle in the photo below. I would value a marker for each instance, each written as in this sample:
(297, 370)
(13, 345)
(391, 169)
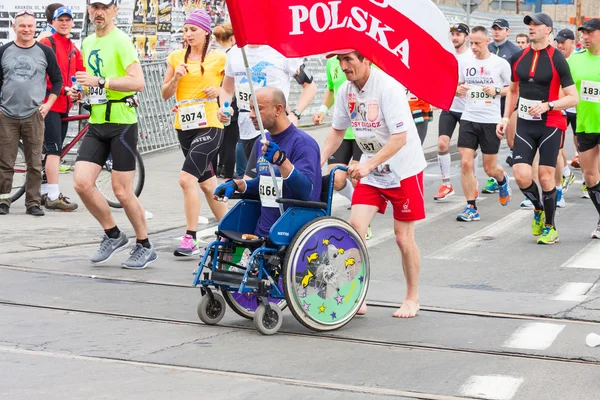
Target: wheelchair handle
(330, 189)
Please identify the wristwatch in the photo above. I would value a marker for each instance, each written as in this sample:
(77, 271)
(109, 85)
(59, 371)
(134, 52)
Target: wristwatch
(498, 90)
(550, 105)
(297, 113)
(101, 82)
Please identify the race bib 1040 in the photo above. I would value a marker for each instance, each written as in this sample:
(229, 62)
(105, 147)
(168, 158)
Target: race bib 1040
(96, 95)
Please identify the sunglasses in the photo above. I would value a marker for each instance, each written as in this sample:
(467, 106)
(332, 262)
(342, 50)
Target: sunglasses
(24, 12)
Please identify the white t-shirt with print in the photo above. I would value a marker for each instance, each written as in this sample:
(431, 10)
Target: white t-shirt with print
(458, 104)
(268, 68)
(492, 71)
(375, 113)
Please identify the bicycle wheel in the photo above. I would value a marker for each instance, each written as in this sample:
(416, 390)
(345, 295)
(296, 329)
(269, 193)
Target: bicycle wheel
(20, 176)
(104, 180)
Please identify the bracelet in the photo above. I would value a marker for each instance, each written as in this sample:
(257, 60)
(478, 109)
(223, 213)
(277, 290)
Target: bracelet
(323, 109)
(281, 159)
(106, 81)
(506, 119)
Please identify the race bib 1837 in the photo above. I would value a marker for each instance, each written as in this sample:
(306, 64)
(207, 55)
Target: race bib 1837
(590, 91)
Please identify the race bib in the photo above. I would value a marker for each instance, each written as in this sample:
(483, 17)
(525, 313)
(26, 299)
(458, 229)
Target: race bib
(368, 144)
(191, 116)
(410, 96)
(382, 176)
(590, 91)
(96, 95)
(267, 191)
(524, 107)
(243, 97)
(476, 95)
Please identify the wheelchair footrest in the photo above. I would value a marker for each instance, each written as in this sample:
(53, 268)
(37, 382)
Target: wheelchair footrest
(232, 278)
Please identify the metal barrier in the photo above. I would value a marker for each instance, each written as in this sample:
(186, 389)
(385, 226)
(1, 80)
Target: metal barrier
(155, 115)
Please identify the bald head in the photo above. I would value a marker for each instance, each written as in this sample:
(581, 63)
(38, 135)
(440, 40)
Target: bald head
(272, 106)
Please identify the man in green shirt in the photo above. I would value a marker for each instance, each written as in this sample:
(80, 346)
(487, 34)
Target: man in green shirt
(349, 152)
(585, 69)
(113, 76)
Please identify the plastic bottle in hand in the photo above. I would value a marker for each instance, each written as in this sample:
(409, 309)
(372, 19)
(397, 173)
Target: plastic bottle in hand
(227, 110)
(76, 86)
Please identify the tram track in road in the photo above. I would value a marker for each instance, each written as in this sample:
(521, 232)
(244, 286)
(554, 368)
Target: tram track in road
(371, 303)
(323, 336)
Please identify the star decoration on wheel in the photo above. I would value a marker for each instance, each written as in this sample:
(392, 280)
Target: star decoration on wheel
(306, 306)
(339, 298)
(333, 315)
(361, 279)
(322, 308)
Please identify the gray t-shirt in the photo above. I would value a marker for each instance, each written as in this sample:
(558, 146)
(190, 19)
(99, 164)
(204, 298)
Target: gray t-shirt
(23, 78)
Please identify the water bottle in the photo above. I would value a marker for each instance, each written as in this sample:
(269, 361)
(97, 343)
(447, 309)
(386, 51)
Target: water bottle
(227, 110)
(76, 86)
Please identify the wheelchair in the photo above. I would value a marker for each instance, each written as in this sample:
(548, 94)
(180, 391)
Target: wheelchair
(313, 263)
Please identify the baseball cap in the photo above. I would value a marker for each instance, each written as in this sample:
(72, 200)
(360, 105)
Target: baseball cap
(103, 2)
(62, 11)
(538, 19)
(339, 52)
(564, 35)
(501, 23)
(590, 25)
(460, 27)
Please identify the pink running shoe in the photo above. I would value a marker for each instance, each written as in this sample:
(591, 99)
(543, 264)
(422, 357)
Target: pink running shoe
(187, 248)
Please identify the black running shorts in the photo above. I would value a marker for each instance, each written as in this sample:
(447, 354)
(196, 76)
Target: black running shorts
(199, 147)
(587, 141)
(531, 137)
(55, 132)
(448, 121)
(116, 140)
(474, 134)
(347, 152)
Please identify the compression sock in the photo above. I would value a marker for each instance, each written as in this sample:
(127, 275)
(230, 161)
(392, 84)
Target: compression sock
(594, 193)
(550, 206)
(444, 160)
(533, 194)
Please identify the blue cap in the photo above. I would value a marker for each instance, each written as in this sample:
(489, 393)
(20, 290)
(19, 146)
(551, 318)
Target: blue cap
(62, 11)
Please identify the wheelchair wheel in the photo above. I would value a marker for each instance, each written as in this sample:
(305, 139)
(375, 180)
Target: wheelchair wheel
(211, 310)
(326, 274)
(245, 304)
(269, 321)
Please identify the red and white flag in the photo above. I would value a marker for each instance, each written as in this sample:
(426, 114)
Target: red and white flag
(408, 39)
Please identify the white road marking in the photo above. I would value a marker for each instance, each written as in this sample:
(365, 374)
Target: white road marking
(573, 291)
(433, 213)
(492, 387)
(459, 250)
(534, 336)
(587, 258)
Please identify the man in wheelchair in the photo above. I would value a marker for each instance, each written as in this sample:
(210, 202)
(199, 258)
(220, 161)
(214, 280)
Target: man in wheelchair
(294, 155)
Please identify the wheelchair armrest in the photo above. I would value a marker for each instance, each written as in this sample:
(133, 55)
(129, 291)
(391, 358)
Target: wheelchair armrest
(306, 204)
(242, 196)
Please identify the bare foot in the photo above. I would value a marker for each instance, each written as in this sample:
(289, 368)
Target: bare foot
(409, 309)
(362, 310)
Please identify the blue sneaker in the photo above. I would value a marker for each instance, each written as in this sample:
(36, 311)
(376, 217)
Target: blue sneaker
(491, 186)
(469, 214)
(504, 192)
(560, 199)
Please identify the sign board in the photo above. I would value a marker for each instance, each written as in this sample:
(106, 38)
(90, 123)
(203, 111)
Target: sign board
(465, 4)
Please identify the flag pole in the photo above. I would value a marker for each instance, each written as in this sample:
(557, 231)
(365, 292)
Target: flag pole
(260, 123)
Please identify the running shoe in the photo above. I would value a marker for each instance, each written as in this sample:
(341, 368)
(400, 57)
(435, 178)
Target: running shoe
(567, 181)
(187, 248)
(549, 235)
(444, 192)
(61, 203)
(469, 214)
(64, 169)
(108, 247)
(596, 233)
(140, 257)
(584, 192)
(369, 233)
(526, 204)
(575, 162)
(504, 192)
(491, 186)
(538, 222)
(560, 199)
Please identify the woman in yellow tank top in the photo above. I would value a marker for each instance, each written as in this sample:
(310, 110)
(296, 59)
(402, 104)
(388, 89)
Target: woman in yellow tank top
(194, 76)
